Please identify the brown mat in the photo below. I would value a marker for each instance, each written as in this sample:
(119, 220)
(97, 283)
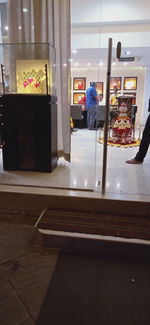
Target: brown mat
(95, 224)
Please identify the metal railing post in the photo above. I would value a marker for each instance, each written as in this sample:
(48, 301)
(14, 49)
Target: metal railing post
(106, 116)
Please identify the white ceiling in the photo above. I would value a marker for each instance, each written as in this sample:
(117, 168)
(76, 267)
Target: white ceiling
(94, 22)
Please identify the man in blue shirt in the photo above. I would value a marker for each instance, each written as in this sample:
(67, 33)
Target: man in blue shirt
(91, 105)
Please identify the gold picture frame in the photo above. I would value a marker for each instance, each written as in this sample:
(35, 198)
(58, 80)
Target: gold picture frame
(130, 83)
(115, 81)
(79, 83)
(78, 98)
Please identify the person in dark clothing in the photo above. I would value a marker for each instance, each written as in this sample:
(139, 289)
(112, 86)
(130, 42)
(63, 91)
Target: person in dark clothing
(139, 158)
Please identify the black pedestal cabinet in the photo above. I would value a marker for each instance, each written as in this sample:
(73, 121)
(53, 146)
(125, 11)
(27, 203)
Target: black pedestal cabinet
(29, 132)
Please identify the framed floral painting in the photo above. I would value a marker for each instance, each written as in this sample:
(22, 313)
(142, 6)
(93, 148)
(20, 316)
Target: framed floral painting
(130, 83)
(79, 83)
(115, 82)
(78, 98)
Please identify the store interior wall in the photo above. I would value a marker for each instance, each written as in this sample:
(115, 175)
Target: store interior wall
(93, 23)
(139, 72)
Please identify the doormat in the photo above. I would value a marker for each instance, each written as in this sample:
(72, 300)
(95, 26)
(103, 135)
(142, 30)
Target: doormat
(89, 290)
(94, 223)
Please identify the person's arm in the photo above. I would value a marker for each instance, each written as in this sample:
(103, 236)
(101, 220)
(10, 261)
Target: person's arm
(95, 94)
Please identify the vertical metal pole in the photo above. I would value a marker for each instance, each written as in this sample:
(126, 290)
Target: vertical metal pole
(46, 79)
(3, 78)
(106, 115)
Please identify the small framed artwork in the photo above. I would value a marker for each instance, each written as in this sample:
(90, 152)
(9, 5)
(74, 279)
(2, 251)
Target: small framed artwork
(79, 83)
(99, 87)
(78, 98)
(130, 83)
(115, 81)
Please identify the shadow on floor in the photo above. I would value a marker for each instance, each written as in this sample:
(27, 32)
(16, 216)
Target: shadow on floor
(97, 290)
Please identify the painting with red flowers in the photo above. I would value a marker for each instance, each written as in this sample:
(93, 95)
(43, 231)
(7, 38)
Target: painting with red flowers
(79, 83)
(115, 82)
(79, 98)
(31, 76)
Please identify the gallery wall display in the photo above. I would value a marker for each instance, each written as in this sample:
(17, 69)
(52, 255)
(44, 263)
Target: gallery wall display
(78, 98)
(79, 83)
(115, 81)
(130, 83)
(31, 76)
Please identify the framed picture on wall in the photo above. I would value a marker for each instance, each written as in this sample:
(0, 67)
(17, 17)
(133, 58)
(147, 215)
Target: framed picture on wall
(79, 83)
(130, 83)
(132, 95)
(78, 98)
(99, 87)
(115, 81)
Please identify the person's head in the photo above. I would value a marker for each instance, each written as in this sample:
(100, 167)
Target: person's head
(115, 88)
(93, 84)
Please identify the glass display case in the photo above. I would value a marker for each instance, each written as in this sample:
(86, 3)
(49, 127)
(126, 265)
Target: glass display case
(28, 107)
(28, 68)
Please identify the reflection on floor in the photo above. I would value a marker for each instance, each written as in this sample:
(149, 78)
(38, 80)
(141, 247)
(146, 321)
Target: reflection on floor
(85, 169)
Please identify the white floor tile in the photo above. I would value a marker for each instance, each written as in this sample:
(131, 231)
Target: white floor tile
(84, 173)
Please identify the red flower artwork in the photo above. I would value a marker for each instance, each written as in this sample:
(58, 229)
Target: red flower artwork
(25, 83)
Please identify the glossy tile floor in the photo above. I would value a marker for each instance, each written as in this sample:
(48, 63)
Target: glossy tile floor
(85, 170)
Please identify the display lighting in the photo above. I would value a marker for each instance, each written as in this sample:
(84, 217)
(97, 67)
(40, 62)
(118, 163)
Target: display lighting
(74, 51)
(101, 63)
(88, 64)
(19, 27)
(25, 10)
(6, 28)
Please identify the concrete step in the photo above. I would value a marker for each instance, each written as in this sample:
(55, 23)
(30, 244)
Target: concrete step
(95, 232)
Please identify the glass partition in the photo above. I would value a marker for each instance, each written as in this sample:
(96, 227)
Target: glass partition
(129, 96)
(28, 68)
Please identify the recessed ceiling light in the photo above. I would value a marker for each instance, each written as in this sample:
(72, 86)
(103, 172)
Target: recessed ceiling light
(128, 52)
(19, 27)
(101, 63)
(6, 28)
(89, 64)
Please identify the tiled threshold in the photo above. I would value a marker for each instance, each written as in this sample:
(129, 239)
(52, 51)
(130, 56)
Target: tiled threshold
(25, 202)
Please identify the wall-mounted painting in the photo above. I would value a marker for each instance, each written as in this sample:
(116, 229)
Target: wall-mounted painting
(115, 81)
(99, 87)
(79, 83)
(130, 83)
(131, 95)
(78, 98)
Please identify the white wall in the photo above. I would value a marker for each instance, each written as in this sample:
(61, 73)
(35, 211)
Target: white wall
(100, 75)
(87, 11)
